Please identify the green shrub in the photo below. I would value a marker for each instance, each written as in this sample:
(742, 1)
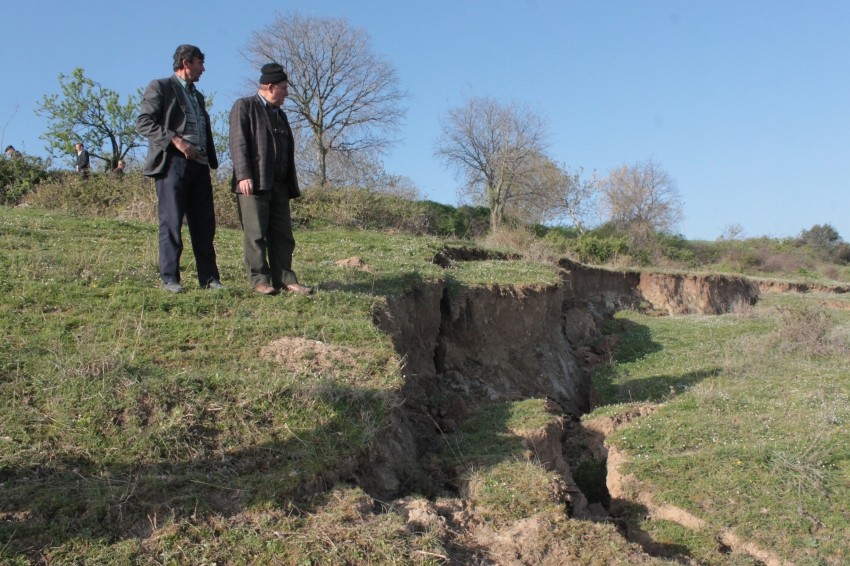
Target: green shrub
(467, 222)
(131, 197)
(675, 247)
(560, 242)
(98, 195)
(591, 248)
(352, 208)
(19, 175)
(226, 211)
(840, 253)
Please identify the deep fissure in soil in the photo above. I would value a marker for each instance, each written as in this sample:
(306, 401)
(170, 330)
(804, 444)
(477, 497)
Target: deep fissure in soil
(464, 348)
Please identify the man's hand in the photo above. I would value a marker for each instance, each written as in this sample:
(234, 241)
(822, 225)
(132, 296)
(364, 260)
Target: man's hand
(185, 147)
(245, 187)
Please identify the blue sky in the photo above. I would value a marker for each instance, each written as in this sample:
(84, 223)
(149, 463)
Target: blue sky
(746, 104)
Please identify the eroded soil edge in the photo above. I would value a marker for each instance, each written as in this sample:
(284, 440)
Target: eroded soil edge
(466, 347)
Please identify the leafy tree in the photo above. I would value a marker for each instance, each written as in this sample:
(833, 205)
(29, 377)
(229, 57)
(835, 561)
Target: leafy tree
(821, 237)
(499, 150)
(346, 98)
(88, 112)
(826, 241)
(641, 199)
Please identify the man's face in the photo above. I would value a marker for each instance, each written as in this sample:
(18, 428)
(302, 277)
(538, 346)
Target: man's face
(194, 69)
(278, 92)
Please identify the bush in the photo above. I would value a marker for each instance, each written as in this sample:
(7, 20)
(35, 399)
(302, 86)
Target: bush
(675, 247)
(559, 241)
(807, 329)
(19, 176)
(465, 222)
(131, 197)
(591, 248)
(356, 208)
(520, 240)
(99, 195)
(840, 253)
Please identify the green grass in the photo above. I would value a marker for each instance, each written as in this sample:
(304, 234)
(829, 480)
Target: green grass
(752, 434)
(127, 411)
(137, 426)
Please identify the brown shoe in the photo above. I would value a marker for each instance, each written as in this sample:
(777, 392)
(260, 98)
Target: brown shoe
(298, 288)
(264, 289)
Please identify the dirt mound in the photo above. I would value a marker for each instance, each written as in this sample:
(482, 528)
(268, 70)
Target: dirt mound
(301, 354)
(354, 262)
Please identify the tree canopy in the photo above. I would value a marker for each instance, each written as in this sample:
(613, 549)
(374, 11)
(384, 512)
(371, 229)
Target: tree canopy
(86, 111)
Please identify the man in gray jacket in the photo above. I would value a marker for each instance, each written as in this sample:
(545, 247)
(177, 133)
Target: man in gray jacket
(180, 154)
(262, 149)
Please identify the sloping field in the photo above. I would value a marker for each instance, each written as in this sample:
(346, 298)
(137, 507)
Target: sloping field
(422, 408)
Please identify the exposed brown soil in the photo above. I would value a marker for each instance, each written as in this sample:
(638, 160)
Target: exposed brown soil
(300, 354)
(464, 347)
(354, 262)
(770, 286)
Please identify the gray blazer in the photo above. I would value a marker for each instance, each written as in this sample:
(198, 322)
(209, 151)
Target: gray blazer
(252, 146)
(163, 116)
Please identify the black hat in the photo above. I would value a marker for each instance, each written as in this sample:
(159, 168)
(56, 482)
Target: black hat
(272, 73)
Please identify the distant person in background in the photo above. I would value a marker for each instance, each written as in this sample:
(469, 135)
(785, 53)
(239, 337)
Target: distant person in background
(11, 152)
(180, 154)
(82, 161)
(262, 150)
(118, 172)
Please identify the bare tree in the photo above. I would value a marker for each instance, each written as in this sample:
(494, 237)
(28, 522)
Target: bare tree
(346, 97)
(732, 232)
(497, 149)
(641, 199)
(571, 196)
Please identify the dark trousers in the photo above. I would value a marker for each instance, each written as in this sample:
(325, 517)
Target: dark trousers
(267, 237)
(186, 189)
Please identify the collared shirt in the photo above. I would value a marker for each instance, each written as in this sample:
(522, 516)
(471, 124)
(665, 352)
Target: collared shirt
(196, 125)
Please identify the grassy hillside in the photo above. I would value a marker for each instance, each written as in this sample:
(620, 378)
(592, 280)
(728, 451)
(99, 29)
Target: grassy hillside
(224, 427)
(128, 414)
(750, 432)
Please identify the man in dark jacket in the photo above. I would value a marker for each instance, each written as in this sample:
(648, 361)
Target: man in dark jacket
(83, 167)
(262, 149)
(180, 154)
